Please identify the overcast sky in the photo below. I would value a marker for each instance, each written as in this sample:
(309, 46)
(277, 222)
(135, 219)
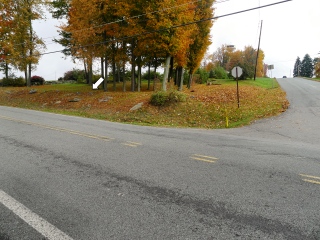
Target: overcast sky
(289, 30)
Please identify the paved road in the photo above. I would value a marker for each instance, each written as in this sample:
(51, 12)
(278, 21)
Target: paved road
(73, 178)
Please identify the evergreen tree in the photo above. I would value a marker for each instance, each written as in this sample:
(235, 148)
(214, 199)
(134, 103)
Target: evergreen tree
(306, 67)
(296, 70)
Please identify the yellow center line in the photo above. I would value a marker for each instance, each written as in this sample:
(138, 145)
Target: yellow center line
(198, 155)
(310, 181)
(135, 143)
(104, 138)
(309, 176)
(202, 159)
(131, 144)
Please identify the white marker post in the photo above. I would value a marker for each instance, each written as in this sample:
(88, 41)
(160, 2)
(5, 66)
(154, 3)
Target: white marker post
(96, 85)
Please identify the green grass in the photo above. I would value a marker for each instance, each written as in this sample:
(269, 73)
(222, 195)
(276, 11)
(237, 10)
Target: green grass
(259, 82)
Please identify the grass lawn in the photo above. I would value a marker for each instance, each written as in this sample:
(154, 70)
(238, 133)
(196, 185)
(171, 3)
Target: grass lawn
(206, 106)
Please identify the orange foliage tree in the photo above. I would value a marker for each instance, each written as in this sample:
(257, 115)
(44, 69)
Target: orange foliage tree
(137, 32)
(19, 39)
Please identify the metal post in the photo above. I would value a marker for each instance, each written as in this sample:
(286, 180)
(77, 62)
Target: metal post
(237, 88)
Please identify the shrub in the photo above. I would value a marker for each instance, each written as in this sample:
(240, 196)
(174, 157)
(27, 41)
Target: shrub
(14, 81)
(220, 73)
(75, 75)
(162, 98)
(203, 74)
(176, 96)
(37, 80)
(159, 98)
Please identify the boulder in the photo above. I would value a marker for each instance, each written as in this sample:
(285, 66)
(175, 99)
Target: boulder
(136, 107)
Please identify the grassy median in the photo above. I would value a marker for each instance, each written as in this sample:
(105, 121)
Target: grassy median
(206, 106)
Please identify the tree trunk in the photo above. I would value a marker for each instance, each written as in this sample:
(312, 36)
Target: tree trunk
(26, 74)
(105, 82)
(139, 73)
(181, 79)
(31, 48)
(190, 80)
(166, 73)
(149, 75)
(155, 73)
(7, 70)
(124, 76)
(133, 66)
(90, 72)
(177, 76)
(171, 70)
(86, 71)
(102, 67)
(118, 73)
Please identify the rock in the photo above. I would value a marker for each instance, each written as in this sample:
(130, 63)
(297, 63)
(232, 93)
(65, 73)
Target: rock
(32, 91)
(106, 99)
(136, 107)
(75, 100)
(57, 102)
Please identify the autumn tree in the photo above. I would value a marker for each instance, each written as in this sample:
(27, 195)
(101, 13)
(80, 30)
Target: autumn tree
(317, 67)
(139, 32)
(221, 56)
(228, 57)
(22, 43)
(201, 36)
(6, 27)
(260, 71)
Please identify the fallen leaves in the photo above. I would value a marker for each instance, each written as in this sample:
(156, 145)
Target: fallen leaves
(206, 106)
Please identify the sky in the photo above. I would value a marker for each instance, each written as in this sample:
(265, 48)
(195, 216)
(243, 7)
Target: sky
(289, 30)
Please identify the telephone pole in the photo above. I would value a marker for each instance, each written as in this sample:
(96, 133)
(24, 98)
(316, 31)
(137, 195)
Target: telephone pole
(255, 68)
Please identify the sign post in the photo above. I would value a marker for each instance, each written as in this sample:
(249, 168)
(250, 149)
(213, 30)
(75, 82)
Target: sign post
(236, 73)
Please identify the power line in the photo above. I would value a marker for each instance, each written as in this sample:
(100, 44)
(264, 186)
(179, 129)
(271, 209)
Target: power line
(133, 17)
(176, 26)
(141, 15)
(173, 27)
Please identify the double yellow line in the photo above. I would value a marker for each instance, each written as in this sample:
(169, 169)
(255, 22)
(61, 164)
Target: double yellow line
(310, 179)
(88, 135)
(204, 158)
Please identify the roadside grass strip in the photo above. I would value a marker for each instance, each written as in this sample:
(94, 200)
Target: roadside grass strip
(35, 221)
(203, 158)
(104, 138)
(310, 179)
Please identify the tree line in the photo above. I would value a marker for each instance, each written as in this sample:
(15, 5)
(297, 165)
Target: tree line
(226, 57)
(175, 34)
(139, 33)
(308, 67)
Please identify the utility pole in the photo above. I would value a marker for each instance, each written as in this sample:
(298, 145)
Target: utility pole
(255, 68)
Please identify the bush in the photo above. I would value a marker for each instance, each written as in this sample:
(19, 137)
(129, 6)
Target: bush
(37, 80)
(159, 98)
(203, 75)
(13, 82)
(176, 96)
(75, 75)
(162, 98)
(220, 73)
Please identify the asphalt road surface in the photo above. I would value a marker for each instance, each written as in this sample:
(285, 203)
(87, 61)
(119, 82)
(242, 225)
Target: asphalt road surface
(64, 177)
